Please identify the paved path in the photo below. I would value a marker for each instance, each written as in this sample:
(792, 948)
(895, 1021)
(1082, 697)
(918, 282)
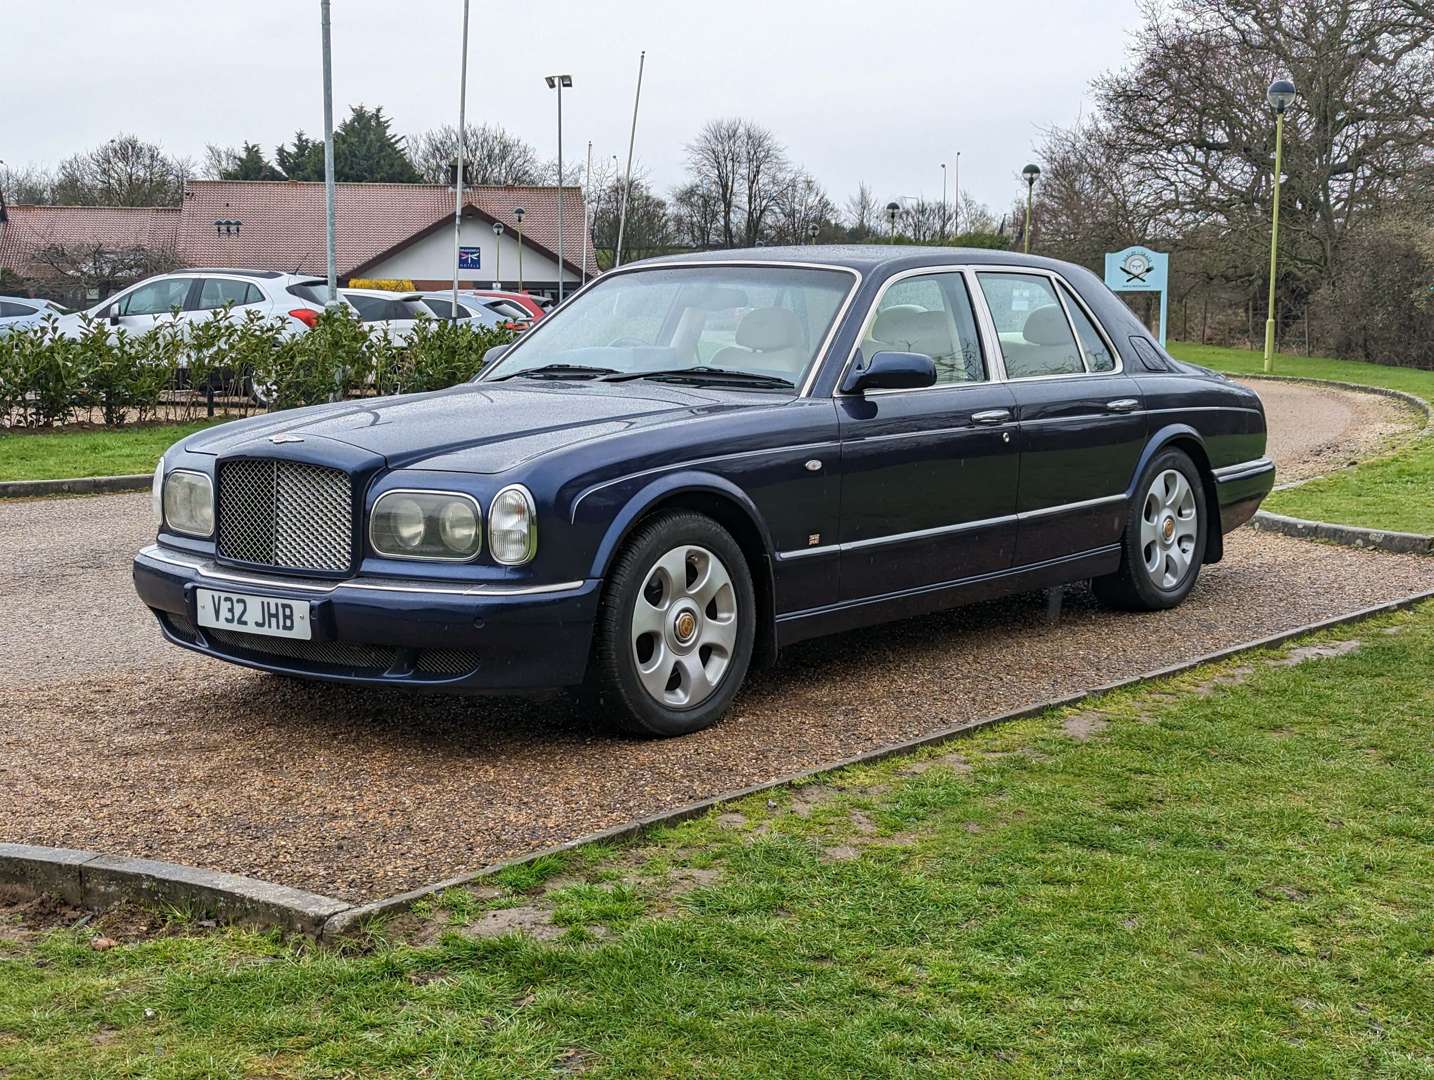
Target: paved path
(110, 739)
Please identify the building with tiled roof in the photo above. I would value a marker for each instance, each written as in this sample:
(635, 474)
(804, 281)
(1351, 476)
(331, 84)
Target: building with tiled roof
(384, 231)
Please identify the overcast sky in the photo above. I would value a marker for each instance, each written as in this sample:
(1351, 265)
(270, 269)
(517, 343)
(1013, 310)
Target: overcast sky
(857, 91)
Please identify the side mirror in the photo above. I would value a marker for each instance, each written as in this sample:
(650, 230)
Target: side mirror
(890, 371)
(495, 354)
(112, 314)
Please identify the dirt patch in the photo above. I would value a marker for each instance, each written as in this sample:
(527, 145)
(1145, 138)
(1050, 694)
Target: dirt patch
(1316, 652)
(536, 922)
(806, 799)
(1082, 725)
(732, 820)
(24, 914)
(684, 880)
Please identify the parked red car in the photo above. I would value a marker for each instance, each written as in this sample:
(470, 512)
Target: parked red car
(522, 308)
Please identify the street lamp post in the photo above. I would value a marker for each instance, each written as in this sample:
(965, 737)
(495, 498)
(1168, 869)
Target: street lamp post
(1280, 95)
(813, 230)
(498, 254)
(518, 213)
(892, 209)
(943, 202)
(560, 82)
(1030, 173)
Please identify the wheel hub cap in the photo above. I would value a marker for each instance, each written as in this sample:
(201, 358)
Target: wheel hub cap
(1167, 531)
(684, 627)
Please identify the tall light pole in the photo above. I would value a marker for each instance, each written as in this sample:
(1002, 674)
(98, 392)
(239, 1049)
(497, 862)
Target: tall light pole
(587, 211)
(498, 254)
(956, 206)
(458, 172)
(627, 181)
(1029, 173)
(331, 257)
(518, 213)
(560, 82)
(892, 209)
(1280, 95)
(943, 202)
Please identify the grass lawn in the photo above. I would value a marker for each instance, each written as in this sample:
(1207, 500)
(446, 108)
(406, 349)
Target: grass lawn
(59, 455)
(1230, 875)
(1395, 492)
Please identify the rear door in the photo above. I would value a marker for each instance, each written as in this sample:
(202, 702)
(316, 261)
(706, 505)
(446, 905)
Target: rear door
(1082, 419)
(929, 476)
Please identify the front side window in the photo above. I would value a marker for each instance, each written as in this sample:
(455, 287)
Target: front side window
(157, 297)
(14, 311)
(929, 314)
(743, 326)
(1098, 356)
(1031, 325)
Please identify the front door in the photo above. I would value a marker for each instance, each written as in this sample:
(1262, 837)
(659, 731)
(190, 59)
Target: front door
(1082, 422)
(928, 476)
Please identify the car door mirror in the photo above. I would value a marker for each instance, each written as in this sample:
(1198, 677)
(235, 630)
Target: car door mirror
(495, 354)
(890, 371)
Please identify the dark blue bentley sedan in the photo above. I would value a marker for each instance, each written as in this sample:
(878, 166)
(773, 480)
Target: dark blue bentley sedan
(698, 460)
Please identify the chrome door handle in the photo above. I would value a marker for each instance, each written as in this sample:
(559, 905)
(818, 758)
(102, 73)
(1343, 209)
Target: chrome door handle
(991, 416)
(1125, 404)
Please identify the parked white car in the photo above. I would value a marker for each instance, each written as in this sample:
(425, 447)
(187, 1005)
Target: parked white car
(188, 296)
(18, 311)
(392, 311)
(440, 304)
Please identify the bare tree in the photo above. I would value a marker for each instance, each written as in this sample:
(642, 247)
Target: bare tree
(125, 171)
(30, 185)
(715, 161)
(85, 269)
(863, 215)
(765, 174)
(493, 156)
(697, 215)
(802, 211)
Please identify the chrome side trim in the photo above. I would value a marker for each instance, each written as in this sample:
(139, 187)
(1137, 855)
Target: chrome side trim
(1067, 508)
(1242, 469)
(951, 530)
(206, 568)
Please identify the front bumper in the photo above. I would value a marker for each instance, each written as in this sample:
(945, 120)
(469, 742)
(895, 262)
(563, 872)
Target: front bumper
(387, 632)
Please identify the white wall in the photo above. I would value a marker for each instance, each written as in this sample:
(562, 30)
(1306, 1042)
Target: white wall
(431, 259)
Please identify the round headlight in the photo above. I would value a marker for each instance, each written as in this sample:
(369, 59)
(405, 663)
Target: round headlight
(156, 496)
(458, 526)
(442, 525)
(408, 523)
(513, 526)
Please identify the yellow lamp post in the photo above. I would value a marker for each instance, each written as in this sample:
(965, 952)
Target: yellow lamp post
(518, 213)
(1280, 95)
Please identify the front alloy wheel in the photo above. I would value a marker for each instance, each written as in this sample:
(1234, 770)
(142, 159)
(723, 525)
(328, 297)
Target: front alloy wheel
(675, 630)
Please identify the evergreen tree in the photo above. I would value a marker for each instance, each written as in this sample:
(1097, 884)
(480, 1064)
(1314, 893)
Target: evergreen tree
(365, 149)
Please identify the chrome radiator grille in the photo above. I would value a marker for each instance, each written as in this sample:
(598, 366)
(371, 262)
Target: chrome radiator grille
(285, 514)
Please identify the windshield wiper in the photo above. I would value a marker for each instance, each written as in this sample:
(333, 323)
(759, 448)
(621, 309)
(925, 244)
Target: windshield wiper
(705, 374)
(559, 371)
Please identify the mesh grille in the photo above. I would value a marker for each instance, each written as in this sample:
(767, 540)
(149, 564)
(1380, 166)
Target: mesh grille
(285, 514)
(338, 654)
(447, 661)
(179, 625)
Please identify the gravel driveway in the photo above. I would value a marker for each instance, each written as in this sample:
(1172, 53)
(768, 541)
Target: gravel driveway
(135, 747)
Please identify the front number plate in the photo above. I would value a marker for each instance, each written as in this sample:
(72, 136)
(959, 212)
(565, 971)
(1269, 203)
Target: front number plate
(251, 614)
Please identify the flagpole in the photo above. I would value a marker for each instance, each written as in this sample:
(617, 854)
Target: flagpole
(587, 210)
(458, 173)
(627, 180)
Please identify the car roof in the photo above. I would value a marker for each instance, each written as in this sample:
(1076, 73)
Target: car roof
(236, 271)
(23, 299)
(384, 294)
(862, 257)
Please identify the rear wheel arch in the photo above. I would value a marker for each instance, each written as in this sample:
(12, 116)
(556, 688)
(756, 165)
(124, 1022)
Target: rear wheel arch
(1186, 439)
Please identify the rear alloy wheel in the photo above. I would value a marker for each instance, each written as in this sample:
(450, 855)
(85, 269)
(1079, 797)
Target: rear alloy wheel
(1164, 540)
(674, 636)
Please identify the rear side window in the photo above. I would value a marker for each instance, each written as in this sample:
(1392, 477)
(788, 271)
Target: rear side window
(315, 292)
(382, 309)
(1097, 353)
(11, 311)
(1150, 358)
(216, 292)
(1031, 324)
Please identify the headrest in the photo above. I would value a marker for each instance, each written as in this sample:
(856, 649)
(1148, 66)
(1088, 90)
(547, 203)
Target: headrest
(1047, 326)
(768, 329)
(914, 330)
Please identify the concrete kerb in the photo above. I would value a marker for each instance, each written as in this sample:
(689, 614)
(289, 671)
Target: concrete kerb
(1357, 536)
(78, 485)
(92, 880)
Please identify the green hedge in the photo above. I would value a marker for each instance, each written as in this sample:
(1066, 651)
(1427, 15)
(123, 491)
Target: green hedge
(116, 377)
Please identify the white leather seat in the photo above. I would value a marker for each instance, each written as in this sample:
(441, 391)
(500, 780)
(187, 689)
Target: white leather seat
(768, 339)
(1046, 348)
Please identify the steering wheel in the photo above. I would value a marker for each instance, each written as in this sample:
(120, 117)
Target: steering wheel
(626, 343)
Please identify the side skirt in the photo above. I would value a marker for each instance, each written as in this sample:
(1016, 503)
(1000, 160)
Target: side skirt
(868, 611)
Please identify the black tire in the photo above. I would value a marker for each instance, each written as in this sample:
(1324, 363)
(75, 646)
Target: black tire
(615, 686)
(1138, 585)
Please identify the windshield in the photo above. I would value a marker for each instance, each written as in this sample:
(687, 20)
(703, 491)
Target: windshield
(695, 323)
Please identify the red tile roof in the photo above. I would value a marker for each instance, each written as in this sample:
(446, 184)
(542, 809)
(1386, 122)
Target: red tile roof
(283, 222)
(30, 227)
